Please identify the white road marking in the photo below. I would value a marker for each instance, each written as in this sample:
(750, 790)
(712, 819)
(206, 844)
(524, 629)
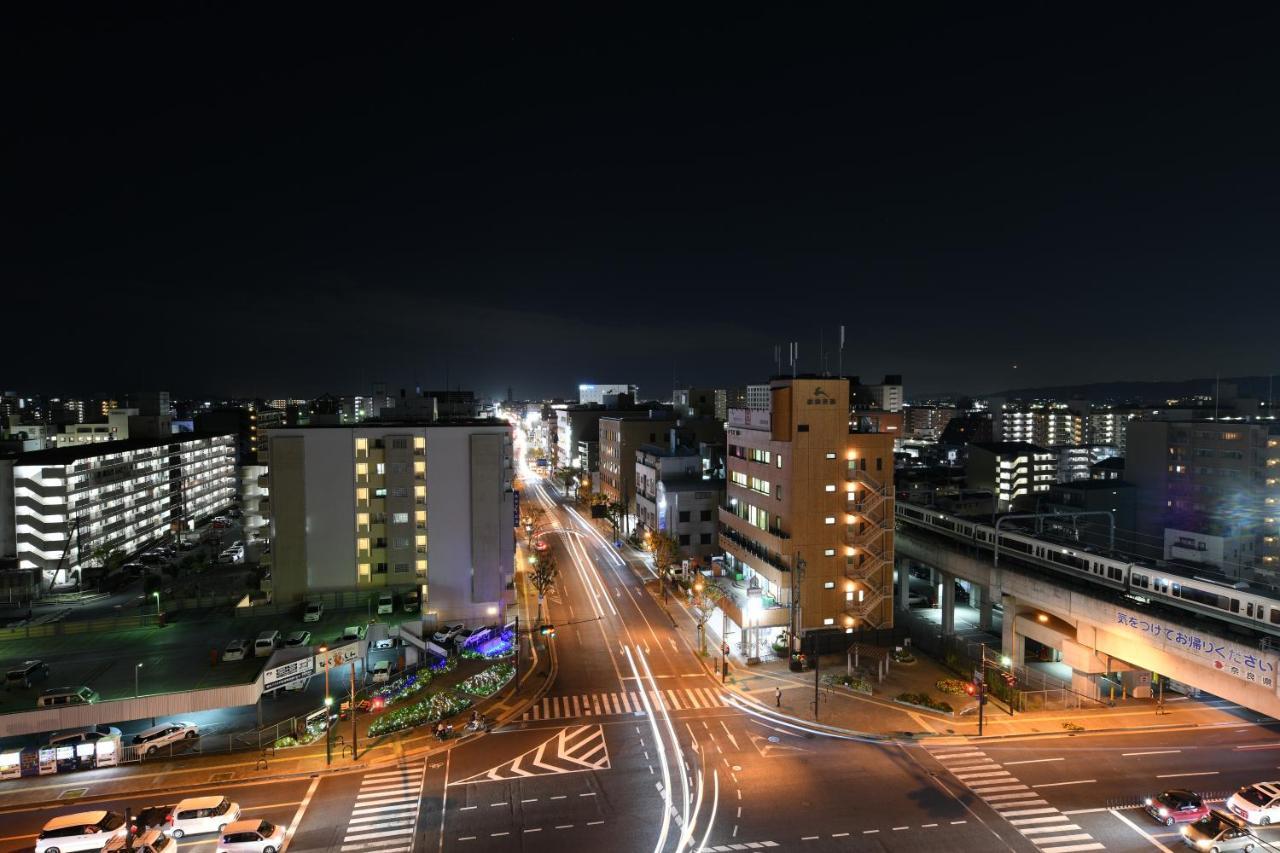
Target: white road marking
(1139, 830)
(297, 816)
(1032, 761)
(1200, 773)
(1060, 784)
(1152, 752)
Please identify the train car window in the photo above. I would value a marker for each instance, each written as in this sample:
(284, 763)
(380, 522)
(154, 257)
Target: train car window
(1114, 573)
(1235, 605)
(1138, 580)
(1248, 610)
(1275, 616)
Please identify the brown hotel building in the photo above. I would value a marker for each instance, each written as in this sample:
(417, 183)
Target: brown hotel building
(807, 524)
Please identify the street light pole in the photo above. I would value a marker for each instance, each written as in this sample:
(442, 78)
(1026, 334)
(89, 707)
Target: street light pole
(135, 680)
(157, 598)
(354, 748)
(328, 722)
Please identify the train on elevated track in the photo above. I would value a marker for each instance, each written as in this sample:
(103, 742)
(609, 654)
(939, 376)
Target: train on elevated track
(1179, 586)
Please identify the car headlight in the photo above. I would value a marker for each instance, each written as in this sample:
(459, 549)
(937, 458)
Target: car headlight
(1147, 801)
(1164, 812)
(1203, 844)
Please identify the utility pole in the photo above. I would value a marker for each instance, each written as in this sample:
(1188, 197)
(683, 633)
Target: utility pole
(724, 646)
(817, 657)
(354, 747)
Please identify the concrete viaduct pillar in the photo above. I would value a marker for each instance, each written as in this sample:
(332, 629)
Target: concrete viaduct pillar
(904, 584)
(1012, 644)
(984, 605)
(948, 604)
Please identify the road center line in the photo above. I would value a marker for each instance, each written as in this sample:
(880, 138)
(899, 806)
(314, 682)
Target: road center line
(1032, 761)
(1152, 752)
(1198, 773)
(1057, 784)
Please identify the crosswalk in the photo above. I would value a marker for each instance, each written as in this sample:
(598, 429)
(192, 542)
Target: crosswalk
(623, 702)
(1046, 827)
(386, 811)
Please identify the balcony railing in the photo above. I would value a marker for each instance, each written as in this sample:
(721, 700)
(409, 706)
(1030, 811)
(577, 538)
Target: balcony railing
(772, 531)
(753, 548)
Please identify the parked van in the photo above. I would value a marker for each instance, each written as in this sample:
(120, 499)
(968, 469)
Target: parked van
(56, 697)
(80, 831)
(267, 642)
(235, 650)
(197, 815)
(87, 736)
(386, 603)
(26, 675)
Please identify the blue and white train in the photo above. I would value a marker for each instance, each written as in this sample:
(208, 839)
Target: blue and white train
(1176, 586)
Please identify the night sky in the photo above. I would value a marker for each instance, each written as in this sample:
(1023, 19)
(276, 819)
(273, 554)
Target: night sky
(271, 199)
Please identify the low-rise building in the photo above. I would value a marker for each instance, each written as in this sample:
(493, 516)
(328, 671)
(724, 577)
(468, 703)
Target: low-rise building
(1016, 472)
(674, 496)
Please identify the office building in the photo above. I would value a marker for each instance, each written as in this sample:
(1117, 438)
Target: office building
(808, 521)
(620, 436)
(394, 506)
(598, 394)
(926, 423)
(674, 496)
(696, 402)
(1016, 472)
(885, 396)
(59, 507)
(1209, 491)
(759, 397)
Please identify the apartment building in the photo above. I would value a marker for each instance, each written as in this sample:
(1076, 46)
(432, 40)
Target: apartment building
(674, 496)
(597, 394)
(926, 423)
(620, 436)
(393, 506)
(697, 402)
(1209, 491)
(1044, 424)
(59, 507)
(807, 527)
(1016, 472)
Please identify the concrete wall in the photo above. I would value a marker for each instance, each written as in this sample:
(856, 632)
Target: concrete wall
(102, 713)
(289, 518)
(1142, 641)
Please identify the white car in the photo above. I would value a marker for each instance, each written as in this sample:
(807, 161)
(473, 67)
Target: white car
(312, 612)
(236, 650)
(352, 633)
(151, 841)
(232, 555)
(197, 815)
(1258, 803)
(298, 638)
(446, 633)
(251, 836)
(381, 672)
(386, 603)
(164, 734)
(80, 831)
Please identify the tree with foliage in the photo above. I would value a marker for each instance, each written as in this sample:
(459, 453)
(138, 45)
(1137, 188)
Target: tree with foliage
(104, 560)
(706, 598)
(665, 550)
(543, 573)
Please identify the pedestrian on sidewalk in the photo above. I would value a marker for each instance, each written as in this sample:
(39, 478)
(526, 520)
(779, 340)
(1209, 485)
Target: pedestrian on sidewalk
(777, 696)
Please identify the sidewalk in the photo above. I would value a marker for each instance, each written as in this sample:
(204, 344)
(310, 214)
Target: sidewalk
(880, 713)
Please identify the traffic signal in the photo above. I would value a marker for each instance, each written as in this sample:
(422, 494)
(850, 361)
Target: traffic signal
(971, 688)
(547, 630)
(1009, 679)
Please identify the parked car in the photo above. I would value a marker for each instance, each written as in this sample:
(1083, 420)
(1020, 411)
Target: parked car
(411, 601)
(468, 636)
(351, 633)
(266, 643)
(151, 817)
(1258, 803)
(1218, 833)
(188, 545)
(386, 603)
(446, 634)
(198, 815)
(381, 672)
(236, 650)
(231, 555)
(26, 675)
(85, 736)
(312, 612)
(152, 558)
(251, 836)
(1176, 806)
(56, 697)
(298, 638)
(219, 522)
(152, 841)
(915, 599)
(134, 570)
(164, 734)
(80, 831)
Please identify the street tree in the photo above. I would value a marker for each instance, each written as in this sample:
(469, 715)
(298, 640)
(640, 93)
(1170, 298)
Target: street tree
(665, 550)
(706, 598)
(543, 572)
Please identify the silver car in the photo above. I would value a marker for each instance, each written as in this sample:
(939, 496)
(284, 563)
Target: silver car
(1218, 833)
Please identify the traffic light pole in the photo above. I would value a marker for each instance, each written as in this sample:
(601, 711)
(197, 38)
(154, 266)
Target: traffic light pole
(982, 703)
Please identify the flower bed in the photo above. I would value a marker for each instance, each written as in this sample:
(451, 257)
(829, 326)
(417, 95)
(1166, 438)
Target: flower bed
(488, 681)
(853, 682)
(903, 656)
(435, 707)
(406, 685)
(924, 700)
(491, 649)
(952, 685)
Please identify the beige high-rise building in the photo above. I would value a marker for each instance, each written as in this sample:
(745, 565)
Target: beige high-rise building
(621, 436)
(807, 525)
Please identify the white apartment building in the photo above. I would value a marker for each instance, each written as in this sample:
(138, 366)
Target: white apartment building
(393, 506)
(1045, 424)
(1015, 472)
(57, 507)
(759, 397)
(597, 393)
(115, 429)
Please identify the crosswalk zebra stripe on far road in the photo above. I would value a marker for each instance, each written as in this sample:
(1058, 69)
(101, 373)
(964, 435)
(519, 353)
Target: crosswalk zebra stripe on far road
(385, 812)
(624, 702)
(1024, 809)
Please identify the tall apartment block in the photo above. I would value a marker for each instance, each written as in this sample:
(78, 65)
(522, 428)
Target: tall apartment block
(1044, 424)
(1209, 492)
(390, 505)
(808, 520)
(58, 507)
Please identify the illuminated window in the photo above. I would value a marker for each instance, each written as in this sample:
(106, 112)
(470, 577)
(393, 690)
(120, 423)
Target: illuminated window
(420, 468)
(779, 460)
(381, 468)
(831, 456)
(362, 445)
(829, 585)
(364, 571)
(830, 519)
(828, 621)
(422, 568)
(830, 487)
(420, 492)
(848, 596)
(362, 544)
(362, 521)
(420, 517)
(830, 552)
(419, 442)
(362, 495)
(399, 518)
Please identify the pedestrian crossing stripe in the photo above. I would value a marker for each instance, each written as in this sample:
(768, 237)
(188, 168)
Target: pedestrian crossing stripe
(624, 702)
(1039, 822)
(385, 812)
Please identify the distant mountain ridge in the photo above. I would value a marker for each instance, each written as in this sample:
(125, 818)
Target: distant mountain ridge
(1134, 391)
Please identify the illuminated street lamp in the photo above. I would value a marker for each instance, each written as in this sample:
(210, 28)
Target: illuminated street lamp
(156, 595)
(328, 719)
(135, 680)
